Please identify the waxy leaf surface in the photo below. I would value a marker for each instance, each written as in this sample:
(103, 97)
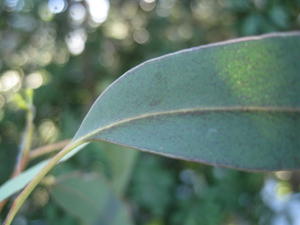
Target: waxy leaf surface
(235, 104)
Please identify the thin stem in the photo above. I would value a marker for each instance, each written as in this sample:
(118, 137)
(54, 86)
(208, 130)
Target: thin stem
(46, 149)
(21, 164)
(29, 188)
(23, 155)
(231, 109)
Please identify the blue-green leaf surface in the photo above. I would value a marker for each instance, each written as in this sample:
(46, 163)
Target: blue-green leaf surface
(16, 184)
(90, 199)
(235, 104)
(19, 182)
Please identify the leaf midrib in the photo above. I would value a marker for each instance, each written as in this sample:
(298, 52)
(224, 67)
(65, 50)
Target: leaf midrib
(202, 110)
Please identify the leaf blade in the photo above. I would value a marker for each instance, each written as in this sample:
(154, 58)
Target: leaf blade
(98, 204)
(16, 184)
(226, 84)
(256, 75)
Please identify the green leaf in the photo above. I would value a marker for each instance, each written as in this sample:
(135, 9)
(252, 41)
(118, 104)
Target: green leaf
(121, 162)
(234, 104)
(90, 199)
(16, 184)
(19, 182)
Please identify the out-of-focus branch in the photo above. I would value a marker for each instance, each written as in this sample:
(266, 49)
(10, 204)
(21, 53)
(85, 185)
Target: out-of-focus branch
(23, 155)
(48, 149)
(35, 153)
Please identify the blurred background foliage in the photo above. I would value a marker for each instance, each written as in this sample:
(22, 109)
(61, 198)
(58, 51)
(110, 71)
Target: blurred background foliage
(68, 51)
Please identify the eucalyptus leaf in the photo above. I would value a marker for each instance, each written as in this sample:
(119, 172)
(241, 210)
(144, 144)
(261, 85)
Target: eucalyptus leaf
(16, 184)
(234, 103)
(89, 198)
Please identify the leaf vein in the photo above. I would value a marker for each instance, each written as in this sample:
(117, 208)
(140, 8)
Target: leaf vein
(202, 110)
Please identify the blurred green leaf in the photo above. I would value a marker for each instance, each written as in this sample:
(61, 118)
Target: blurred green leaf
(152, 186)
(121, 162)
(16, 184)
(234, 104)
(251, 24)
(237, 5)
(279, 16)
(116, 162)
(90, 199)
